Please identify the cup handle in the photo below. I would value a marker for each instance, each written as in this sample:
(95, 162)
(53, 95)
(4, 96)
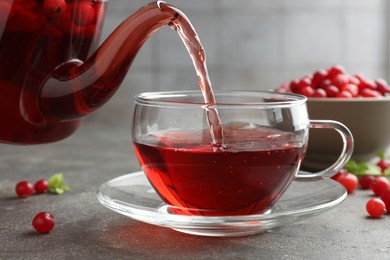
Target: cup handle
(345, 155)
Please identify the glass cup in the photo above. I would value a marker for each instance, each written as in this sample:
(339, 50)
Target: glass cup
(265, 136)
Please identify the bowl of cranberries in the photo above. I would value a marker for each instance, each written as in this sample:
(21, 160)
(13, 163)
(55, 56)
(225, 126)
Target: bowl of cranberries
(359, 102)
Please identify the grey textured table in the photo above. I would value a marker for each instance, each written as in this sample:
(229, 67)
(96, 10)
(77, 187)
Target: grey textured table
(87, 230)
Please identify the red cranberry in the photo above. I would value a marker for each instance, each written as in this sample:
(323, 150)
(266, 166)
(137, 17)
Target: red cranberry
(294, 87)
(54, 8)
(336, 70)
(332, 91)
(83, 14)
(324, 84)
(319, 76)
(375, 208)
(321, 93)
(379, 185)
(385, 197)
(340, 80)
(307, 91)
(382, 86)
(24, 189)
(360, 77)
(66, 23)
(339, 174)
(367, 84)
(369, 93)
(354, 80)
(41, 186)
(365, 181)
(351, 88)
(349, 181)
(304, 81)
(285, 88)
(344, 94)
(43, 222)
(384, 164)
(25, 20)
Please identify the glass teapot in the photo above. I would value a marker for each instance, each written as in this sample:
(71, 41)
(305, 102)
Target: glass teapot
(52, 71)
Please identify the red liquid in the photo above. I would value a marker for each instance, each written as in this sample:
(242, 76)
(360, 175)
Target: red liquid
(245, 178)
(34, 39)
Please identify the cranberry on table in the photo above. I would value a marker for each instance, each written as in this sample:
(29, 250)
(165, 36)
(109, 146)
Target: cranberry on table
(375, 208)
(339, 174)
(43, 222)
(365, 181)
(24, 189)
(349, 181)
(41, 186)
(379, 185)
(385, 197)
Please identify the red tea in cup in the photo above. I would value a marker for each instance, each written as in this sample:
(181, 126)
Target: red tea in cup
(245, 177)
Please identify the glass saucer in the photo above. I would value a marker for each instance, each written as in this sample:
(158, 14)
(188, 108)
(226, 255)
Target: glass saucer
(133, 196)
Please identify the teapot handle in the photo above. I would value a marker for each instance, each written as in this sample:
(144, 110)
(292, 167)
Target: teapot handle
(345, 155)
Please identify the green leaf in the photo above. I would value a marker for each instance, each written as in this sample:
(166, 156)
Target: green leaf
(56, 180)
(59, 190)
(387, 172)
(56, 184)
(382, 155)
(352, 166)
(363, 168)
(373, 169)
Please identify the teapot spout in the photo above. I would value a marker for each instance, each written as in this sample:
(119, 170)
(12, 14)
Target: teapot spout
(76, 88)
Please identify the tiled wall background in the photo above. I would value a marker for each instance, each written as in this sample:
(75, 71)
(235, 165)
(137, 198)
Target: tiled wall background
(254, 44)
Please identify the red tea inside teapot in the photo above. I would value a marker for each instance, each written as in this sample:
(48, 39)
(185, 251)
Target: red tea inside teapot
(36, 36)
(53, 73)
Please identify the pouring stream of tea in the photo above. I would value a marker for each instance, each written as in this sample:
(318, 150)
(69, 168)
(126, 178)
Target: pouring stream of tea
(192, 43)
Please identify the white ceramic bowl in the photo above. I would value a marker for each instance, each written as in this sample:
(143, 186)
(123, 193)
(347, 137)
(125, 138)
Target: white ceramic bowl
(367, 118)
